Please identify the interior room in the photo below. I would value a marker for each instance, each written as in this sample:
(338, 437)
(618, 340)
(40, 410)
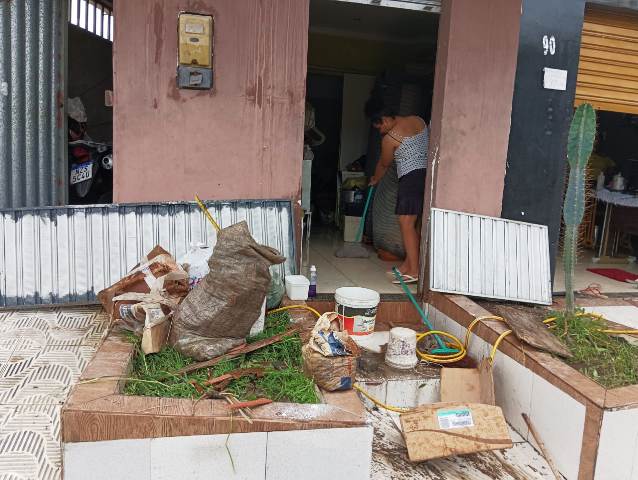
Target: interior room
(90, 112)
(354, 48)
(609, 234)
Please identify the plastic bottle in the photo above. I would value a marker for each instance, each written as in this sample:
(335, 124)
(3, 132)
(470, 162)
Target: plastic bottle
(600, 183)
(312, 290)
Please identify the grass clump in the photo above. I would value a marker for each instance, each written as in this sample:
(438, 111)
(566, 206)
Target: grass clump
(609, 360)
(284, 380)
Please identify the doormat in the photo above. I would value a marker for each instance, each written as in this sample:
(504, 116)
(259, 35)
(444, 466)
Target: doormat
(615, 274)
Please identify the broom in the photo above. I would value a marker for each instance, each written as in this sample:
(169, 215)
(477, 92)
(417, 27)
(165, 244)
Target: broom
(355, 249)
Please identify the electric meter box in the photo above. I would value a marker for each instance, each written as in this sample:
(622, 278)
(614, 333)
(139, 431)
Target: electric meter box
(195, 37)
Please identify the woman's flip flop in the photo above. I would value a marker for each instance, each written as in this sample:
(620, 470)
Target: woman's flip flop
(407, 279)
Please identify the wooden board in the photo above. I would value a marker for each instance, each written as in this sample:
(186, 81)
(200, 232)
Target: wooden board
(529, 328)
(429, 432)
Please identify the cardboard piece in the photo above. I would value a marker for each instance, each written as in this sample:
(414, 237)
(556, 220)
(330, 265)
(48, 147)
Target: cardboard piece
(453, 428)
(465, 421)
(474, 385)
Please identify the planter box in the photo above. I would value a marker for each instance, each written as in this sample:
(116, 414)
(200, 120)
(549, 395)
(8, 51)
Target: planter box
(591, 432)
(110, 435)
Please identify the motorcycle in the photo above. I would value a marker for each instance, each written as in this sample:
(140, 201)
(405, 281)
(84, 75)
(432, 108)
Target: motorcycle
(90, 173)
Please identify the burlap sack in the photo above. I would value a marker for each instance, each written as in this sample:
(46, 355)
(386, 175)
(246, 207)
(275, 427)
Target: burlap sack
(331, 373)
(219, 312)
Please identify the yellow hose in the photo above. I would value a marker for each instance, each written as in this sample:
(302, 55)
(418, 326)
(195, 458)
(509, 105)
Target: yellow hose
(379, 402)
(599, 317)
(290, 307)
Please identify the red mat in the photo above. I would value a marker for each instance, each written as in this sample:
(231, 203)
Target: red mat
(614, 273)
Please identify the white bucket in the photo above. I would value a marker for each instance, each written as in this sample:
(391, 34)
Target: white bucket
(357, 309)
(401, 351)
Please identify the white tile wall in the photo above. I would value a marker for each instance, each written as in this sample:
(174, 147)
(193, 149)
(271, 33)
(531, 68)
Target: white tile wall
(618, 447)
(292, 455)
(121, 459)
(204, 457)
(319, 454)
(560, 422)
(513, 389)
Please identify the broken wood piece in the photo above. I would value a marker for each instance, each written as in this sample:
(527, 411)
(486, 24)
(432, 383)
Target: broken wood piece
(155, 337)
(247, 348)
(231, 399)
(250, 403)
(235, 374)
(453, 428)
(198, 387)
(530, 329)
(542, 448)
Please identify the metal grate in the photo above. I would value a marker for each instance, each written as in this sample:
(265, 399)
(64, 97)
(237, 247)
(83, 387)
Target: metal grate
(59, 255)
(93, 16)
(489, 257)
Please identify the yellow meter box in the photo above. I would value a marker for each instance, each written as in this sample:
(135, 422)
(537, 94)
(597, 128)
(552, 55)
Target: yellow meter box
(195, 40)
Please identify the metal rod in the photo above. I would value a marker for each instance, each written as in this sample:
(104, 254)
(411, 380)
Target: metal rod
(603, 234)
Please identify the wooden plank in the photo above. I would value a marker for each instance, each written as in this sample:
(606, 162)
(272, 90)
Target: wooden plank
(486, 382)
(529, 328)
(430, 433)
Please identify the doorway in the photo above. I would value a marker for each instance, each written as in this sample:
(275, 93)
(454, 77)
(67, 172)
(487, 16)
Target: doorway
(354, 48)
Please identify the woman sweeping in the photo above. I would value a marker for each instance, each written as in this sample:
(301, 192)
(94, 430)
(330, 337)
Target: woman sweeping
(404, 141)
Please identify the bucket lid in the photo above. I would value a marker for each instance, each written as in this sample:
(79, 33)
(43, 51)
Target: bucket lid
(357, 297)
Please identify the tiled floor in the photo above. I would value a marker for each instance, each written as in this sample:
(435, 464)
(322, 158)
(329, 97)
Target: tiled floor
(372, 273)
(584, 278)
(333, 272)
(42, 354)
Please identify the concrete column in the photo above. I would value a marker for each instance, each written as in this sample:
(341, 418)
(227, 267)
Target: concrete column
(471, 106)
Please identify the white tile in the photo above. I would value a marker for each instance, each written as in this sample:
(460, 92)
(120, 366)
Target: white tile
(618, 447)
(377, 390)
(207, 456)
(319, 454)
(513, 389)
(560, 422)
(402, 393)
(626, 315)
(515, 436)
(428, 391)
(121, 459)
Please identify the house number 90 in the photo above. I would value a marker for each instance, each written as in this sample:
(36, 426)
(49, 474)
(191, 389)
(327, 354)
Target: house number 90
(549, 44)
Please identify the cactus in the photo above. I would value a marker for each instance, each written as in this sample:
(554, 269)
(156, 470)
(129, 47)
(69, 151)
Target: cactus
(580, 144)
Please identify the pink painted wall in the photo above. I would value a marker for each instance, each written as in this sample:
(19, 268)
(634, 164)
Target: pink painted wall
(242, 139)
(472, 104)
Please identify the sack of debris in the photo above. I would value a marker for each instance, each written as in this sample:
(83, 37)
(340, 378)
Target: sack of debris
(330, 356)
(219, 312)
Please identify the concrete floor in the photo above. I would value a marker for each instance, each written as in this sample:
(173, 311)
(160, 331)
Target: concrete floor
(583, 278)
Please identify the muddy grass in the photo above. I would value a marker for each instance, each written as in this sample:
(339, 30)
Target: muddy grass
(607, 359)
(283, 379)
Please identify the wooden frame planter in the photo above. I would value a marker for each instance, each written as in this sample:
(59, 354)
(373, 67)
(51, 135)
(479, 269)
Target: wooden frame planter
(97, 414)
(591, 432)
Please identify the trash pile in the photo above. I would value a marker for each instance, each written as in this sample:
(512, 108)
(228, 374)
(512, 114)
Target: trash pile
(202, 329)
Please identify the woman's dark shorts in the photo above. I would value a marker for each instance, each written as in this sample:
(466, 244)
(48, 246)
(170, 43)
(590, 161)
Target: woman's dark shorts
(411, 192)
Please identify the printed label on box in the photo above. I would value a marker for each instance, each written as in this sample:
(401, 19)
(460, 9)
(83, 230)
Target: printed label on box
(461, 418)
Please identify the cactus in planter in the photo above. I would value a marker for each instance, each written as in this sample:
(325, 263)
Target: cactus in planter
(580, 144)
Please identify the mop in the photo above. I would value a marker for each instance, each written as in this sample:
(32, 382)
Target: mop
(355, 249)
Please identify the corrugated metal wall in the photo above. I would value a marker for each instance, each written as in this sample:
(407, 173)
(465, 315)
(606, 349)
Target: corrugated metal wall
(32, 69)
(63, 255)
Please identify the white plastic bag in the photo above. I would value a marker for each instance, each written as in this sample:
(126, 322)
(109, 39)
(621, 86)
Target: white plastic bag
(195, 262)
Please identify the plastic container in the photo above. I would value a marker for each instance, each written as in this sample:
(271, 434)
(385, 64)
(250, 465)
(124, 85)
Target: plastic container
(357, 309)
(312, 290)
(297, 287)
(401, 351)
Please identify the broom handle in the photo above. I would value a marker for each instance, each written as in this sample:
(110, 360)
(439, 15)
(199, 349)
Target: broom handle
(362, 222)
